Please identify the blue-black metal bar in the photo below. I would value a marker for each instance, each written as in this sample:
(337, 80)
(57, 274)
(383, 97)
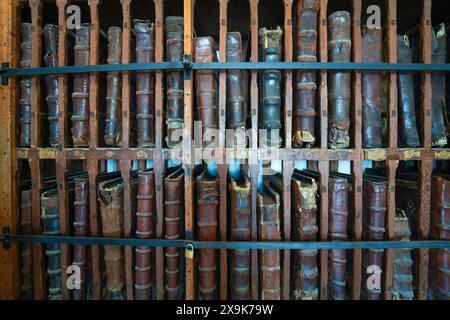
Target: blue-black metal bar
(230, 244)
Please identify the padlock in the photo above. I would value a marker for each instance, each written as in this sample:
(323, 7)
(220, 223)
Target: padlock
(189, 252)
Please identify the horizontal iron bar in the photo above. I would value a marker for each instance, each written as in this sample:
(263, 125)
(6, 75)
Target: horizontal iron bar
(230, 244)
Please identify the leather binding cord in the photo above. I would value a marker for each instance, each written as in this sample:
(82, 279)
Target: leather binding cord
(306, 81)
(145, 83)
(174, 27)
(438, 111)
(174, 190)
(371, 88)
(207, 220)
(205, 88)
(144, 217)
(407, 126)
(80, 229)
(374, 217)
(51, 227)
(80, 95)
(402, 286)
(113, 123)
(269, 230)
(339, 83)
(240, 205)
(338, 216)
(26, 268)
(51, 60)
(304, 206)
(271, 48)
(25, 87)
(237, 105)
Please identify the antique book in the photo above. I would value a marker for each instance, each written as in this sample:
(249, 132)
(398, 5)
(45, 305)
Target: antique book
(304, 206)
(271, 42)
(51, 81)
(144, 33)
(374, 222)
(371, 88)
(408, 135)
(51, 227)
(237, 104)
(240, 207)
(174, 190)
(80, 229)
(174, 28)
(113, 122)
(205, 89)
(25, 87)
(144, 230)
(80, 95)
(269, 230)
(339, 83)
(304, 134)
(207, 188)
(26, 266)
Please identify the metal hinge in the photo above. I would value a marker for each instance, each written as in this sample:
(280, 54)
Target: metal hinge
(4, 238)
(187, 66)
(3, 71)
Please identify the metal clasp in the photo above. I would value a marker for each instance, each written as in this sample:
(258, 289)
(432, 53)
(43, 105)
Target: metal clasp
(189, 252)
(3, 72)
(187, 67)
(4, 238)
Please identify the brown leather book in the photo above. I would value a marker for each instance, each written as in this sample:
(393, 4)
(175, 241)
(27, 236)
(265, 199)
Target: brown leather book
(269, 230)
(174, 191)
(207, 188)
(25, 87)
(144, 33)
(80, 95)
(304, 134)
(26, 267)
(339, 83)
(240, 206)
(174, 28)
(51, 81)
(113, 125)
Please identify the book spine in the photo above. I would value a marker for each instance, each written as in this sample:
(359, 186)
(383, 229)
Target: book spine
(26, 269)
(25, 87)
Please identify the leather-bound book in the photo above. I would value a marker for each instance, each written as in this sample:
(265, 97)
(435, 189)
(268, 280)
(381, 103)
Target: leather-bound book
(80, 229)
(51, 81)
(113, 123)
(25, 87)
(402, 285)
(174, 28)
(304, 206)
(144, 33)
(26, 267)
(269, 230)
(51, 227)
(271, 42)
(374, 223)
(339, 82)
(80, 94)
(144, 230)
(207, 188)
(408, 135)
(205, 88)
(371, 88)
(304, 134)
(240, 206)
(174, 190)
(237, 104)
(439, 133)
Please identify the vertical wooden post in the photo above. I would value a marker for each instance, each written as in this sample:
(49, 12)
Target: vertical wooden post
(125, 168)
(126, 53)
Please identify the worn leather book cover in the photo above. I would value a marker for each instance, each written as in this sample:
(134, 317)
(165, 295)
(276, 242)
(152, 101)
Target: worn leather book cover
(174, 190)
(144, 33)
(271, 42)
(207, 188)
(25, 87)
(240, 206)
(113, 123)
(51, 81)
(80, 94)
(269, 230)
(304, 134)
(339, 83)
(174, 28)
(26, 266)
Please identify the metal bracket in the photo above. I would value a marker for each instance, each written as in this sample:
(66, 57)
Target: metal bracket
(4, 78)
(187, 67)
(4, 238)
